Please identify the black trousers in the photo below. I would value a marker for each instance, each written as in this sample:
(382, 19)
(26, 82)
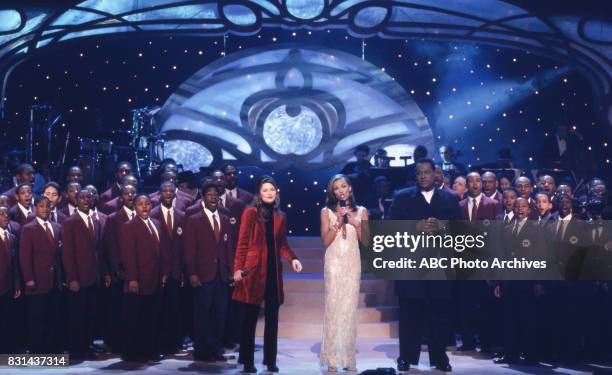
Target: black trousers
(43, 322)
(170, 332)
(186, 310)
(82, 313)
(6, 334)
(116, 318)
(209, 316)
(247, 340)
(235, 316)
(418, 317)
(141, 325)
(519, 318)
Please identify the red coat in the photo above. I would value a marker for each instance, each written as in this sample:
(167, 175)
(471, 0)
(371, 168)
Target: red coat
(8, 273)
(40, 258)
(174, 245)
(80, 251)
(111, 238)
(252, 255)
(144, 260)
(202, 249)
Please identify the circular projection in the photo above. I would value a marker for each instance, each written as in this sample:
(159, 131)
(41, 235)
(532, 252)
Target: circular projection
(292, 133)
(293, 105)
(190, 154)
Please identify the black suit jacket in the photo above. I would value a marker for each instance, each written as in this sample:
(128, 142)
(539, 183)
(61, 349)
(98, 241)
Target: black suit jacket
(409, 204)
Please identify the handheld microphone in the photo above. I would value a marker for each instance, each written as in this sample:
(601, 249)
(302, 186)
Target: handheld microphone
(345, 217)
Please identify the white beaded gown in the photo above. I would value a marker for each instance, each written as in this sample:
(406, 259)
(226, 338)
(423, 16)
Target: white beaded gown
(342, 273)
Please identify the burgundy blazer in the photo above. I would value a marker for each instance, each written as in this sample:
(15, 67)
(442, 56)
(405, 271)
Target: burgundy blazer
(9, 275)
(487, 209)
(39, 257)
(17, 215)
(61, 217)
(182, 202)
(111, 206)
(233, 210)
(533, 214)
(111, 238)
(143, 258)
(172, 245)
(113, 192)
(66, 211)
(12, 196)
(202, 249)
(80, 251)
(245, 196)
(252, 255)
(15, 229)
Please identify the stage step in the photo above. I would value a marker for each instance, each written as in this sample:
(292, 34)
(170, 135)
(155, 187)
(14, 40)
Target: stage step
(301, 316)
(381, 313)
(308, 330)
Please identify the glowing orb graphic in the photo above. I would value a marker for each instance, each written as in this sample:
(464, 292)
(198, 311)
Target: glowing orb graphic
(297, 132)
(190, 154)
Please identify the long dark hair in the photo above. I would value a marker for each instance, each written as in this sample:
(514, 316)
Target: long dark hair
(262, 212)
(331, 201)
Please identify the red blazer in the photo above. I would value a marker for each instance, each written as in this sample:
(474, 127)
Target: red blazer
(143, 258)
(111, 238)
(113, 192)
(252, 255)
(17, 215)
(12, 196)
(172, 245)
(202, 249)
(182, 202)
(487, 209)
(80, 251)
(9, 275)
(40, 258)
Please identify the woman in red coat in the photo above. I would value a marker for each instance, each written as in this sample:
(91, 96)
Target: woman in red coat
(258, 271)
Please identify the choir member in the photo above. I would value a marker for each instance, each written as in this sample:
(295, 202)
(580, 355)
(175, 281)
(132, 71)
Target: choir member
(490, 187)
(524, 189)
(509, 195)
(80, 253)
(53, 191)
(19, 212)
(40, 261)
(23, 174)
(208, 256)
(477, 206)
(112, 241)
(171, 220)
(460, 186)
(233, 190)
(182, 200)
(544, 207)
(522, 238)
(115, 204)
(124, 168)
(547, 183)
(75, 174)
(146, 272)
(10, 284)
(72, 189)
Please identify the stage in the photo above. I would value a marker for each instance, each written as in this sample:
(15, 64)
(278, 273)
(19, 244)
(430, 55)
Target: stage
(300, 357)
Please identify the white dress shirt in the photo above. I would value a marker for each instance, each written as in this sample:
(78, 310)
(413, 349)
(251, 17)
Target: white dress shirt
(165, 211)
(24, 211)
(44, 226)
(212, 215)
(428, 195)
(131, 214)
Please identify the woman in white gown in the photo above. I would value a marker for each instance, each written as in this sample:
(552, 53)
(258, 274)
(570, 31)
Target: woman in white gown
(341, 232)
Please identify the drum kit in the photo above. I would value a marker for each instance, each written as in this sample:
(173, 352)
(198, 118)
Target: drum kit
(142, 144)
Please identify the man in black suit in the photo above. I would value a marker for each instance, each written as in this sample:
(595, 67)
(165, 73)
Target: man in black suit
(424, 303)
(562, 150)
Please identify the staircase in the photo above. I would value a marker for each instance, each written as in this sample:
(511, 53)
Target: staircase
(301, 316)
